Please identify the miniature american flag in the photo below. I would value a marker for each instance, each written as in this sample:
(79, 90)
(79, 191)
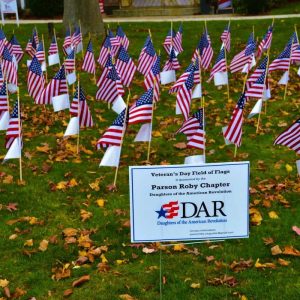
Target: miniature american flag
(89, 64)
(70, 62)
(265, 44)
(121, 36)
(147, 57)
(226, 38)
(220, 64)
(152, 79)
(53, 49)
(13, 130)
(282, 62)
(172, 63)
(104, 52)
(9, 67)
(15, 48)
(257, 88)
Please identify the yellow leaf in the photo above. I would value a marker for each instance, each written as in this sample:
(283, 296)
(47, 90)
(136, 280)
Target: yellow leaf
(4, 283)
(273, 215)
(276, 250)
(61, 185)
(13, 236)
(45, 148)
(244, 297)
(283, 262)
(85, 215)
(179, 247)
(33, 220)
(59, 134)
(156, 134)
(8, 179)
(43, 245)
(71, 148)
(100, 202)
(289, 168)
(256, 216)
(73, 182)
(258, 265)
(29, 243)
(103, 259)
(195, 285)
(120, 261)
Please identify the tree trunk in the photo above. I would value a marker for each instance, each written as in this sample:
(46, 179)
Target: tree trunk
(85, 11)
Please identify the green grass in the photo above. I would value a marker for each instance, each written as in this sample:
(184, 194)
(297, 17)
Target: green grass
(138, 275)
(287, 8)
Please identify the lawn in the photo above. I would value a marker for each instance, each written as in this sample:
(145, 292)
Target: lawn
(68, 223)
(287, 8)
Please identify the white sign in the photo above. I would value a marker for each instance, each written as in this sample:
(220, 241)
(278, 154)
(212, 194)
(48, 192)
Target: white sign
(189, 202)
(9, 7)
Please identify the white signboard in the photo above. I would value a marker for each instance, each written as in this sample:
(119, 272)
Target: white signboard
(9, 7)
(189, 202)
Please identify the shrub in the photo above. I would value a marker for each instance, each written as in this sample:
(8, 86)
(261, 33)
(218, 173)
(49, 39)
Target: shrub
(46, 9)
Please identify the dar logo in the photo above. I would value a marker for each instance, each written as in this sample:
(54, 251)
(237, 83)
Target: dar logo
(168, 210)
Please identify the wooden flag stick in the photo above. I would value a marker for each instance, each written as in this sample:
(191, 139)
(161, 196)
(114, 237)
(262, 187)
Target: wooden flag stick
(78, 112)
(54, 32)
(19, 124)
(122, 138)
(149, 31)
(235, 151)
(151, 125)
(228, 93)
(46, 73)
(203, 120)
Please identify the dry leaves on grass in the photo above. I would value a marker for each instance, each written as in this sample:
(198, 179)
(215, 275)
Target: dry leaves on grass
(81, 280)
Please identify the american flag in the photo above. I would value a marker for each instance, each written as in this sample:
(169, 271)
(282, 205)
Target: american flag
(295, 50)
(89, 64)
(172, 63)
(123, 40)
(110, 88)
(1, 76)
(205, 50)
(125, 66)
(282, 62)
(193, 128)
(76, 37)
(257, 88)
(35, 79)
(113, 135)
(107, 67)
(57, 86)
(115, 43)
(85, 119)
(15, 48)
(194, 66)
(257, 73)
(9, 67)
(3, 99)
(152, 79)
(141, 110)
(290, 137)
(233, 133)
(40, 53)
(104, 52)
(70, 62)
(147, 57)
(30, 50)
(3, 41)
(169, 40)
(226, 38)
(101, 6)
(168, 210)
(265, 44)
(184, 95)
(178, 39)
(67, 41)
(244, 57)
(295, 57)
(220, 64)
(53, 49)
(13, 129)
(35, 38)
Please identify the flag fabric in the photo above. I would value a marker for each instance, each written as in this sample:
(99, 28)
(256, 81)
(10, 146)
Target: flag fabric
(101, 6)
(220, 64)
(110, 88)
(67, 45)
(193, 128)
(233, 133)
(53, 48)
(172, 63)
(125, 66)
(30, 50)
(265, 44)
(85, 118)
(1, 75)
(226, 38)
(13, 131)
(57, 86)
(76, 37)
(113, 135)
(35, 79)
(35, 38)
(169, 41)
(141, 110)
(295, 56)
(147, 58)
(257, 73)
(115, 43)
(70, 62)
(121, 36)
(15, 48)
(257, 88)
(282, 62)
(3, 99)
(107, 67)
(244, 58)
(184, 95)
(222, 4)
(9, 67)
(104, 52)
(152, 79)
(40, 53)
(290, 137)
(3, 41)
(177, 41)
(205, 50)
(89, 64)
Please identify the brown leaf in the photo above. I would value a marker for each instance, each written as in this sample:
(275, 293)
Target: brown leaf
(68, 292)
(70, 232)
(225, 280)
(12, 206)
(268, 241)
(103, 267)
(6, 291)
(290, 250)
(85, 215)
(81, 280)
(18, 293)
(43, 245)
(180, 146)
(276, 250)
(209, 258)
(283, 262)
(8, 179)
(126, 297)
(258, 265)
(45, 148)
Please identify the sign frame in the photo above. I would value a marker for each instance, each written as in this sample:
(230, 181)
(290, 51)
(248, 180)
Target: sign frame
(140, 225)
(11, 8)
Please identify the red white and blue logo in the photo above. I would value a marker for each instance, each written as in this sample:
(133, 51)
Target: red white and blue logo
(168, 210)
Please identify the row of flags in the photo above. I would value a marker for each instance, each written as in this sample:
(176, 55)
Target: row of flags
(118, 73)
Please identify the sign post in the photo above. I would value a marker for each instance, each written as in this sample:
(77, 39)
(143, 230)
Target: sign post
(9, 7)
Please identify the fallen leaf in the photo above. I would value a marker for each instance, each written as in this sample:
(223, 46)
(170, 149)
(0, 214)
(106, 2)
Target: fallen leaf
(268, 241)
(13, 236)
(179, 247)
(288, 168)
(8, 179)
(290, 250)
(256, 216)
(12, 206)
(43, 245)
(100, 202)
(103, 259)
(85, 215)
(4, 283)
(283, 262)
(45, 148)
(126, 297)
(276, 250)
(81, 280)
(70, 232)
(29, 243)
(258, 265)
(195, 285)
(296, 229)
(148, 250)
(273, 215)
(180, 146)
(209, 258)
(68, 292)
